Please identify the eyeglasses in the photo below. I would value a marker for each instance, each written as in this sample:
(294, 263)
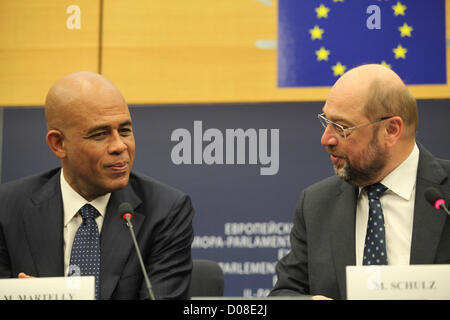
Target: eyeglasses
(342, 131)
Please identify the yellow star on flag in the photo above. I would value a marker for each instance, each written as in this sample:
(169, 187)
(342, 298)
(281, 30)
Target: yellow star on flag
(322, 11)
(322, 54)
(316, 32)
(399, 9)
(338, 69)
(385, 64)
(338, 0)
(405, 30)
(400, 52)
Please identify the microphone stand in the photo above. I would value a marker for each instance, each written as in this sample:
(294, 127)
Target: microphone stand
(141, 262)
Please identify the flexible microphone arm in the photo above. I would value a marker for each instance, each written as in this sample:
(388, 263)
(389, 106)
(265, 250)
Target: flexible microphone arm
(127, 216)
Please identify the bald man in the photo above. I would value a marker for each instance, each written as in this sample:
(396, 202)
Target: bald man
(370, 120)
(90, 130)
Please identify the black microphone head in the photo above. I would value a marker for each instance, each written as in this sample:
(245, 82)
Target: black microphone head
(432, 195)
(125, 207)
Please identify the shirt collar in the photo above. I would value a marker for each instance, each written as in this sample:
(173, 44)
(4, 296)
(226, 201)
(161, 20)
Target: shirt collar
(402, 179)
(73, 201)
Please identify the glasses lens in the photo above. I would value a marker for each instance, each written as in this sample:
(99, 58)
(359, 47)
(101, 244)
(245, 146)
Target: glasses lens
(323, 121)
(337, 128)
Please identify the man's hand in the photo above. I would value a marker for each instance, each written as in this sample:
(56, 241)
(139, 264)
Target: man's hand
(321, 298)
(24, 276)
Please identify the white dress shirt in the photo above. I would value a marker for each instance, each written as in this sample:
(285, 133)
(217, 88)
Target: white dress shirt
(72, 203)
(398, 211)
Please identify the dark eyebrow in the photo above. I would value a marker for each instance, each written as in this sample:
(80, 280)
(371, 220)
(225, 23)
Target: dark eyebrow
(341, 120)
(98, 128)
(125, 123)
(107, 127)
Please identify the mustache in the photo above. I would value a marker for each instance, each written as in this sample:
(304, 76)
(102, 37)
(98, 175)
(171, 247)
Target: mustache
(332, 150)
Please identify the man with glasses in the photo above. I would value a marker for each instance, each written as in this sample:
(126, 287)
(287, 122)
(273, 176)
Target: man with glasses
(373, 212)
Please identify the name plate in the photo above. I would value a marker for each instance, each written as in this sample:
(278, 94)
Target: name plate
(57, 288)
(413, 282)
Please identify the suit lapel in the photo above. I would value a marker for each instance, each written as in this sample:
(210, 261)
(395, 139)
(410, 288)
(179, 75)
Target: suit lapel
(428, 223)
(343, 233)
(43, 222)
(116, 242)
(427, 226)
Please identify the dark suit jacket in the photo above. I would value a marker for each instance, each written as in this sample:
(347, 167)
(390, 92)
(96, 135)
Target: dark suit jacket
(323, 235)
(31, 236)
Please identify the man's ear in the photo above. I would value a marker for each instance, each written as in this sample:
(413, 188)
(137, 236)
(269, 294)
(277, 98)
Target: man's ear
(55, 140)
(393, 130)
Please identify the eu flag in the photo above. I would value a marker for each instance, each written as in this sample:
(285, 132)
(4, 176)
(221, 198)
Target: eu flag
(318, 40)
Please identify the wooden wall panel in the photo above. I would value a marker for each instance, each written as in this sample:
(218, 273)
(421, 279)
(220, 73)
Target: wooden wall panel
(194, 51)
(156, 52)
(37, 47)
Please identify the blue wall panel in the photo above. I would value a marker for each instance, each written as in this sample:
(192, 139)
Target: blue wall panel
(242, 217)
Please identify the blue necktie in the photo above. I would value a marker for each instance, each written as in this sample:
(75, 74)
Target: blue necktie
(375, 244)
(85, 255)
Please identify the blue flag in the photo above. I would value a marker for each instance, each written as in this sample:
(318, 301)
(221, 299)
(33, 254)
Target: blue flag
(318, 40)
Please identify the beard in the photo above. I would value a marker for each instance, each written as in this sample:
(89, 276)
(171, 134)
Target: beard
(367, 172)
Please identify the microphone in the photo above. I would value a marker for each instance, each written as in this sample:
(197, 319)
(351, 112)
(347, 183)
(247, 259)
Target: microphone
(435, 198)
(126, 211)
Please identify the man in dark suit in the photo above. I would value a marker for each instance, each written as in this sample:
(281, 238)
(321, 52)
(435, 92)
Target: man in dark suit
(370, 120)
(90, 130)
